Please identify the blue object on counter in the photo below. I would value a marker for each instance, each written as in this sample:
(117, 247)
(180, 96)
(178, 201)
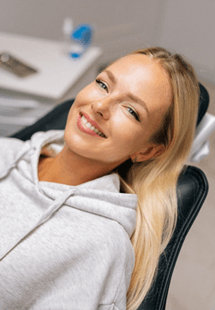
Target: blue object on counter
(82, 36)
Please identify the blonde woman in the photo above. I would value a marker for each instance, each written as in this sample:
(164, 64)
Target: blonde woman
(85, 213)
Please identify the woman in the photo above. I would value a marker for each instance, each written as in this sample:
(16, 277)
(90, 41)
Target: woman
(73, 236)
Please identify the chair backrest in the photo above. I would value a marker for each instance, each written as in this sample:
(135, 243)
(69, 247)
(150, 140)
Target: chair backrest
(203, 103)
(55, 119)
(191, 192)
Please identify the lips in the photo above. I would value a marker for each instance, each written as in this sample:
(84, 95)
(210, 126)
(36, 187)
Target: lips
(86, 124)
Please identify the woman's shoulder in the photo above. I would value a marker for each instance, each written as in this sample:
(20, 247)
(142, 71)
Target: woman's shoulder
(12, 142)
(10, 146)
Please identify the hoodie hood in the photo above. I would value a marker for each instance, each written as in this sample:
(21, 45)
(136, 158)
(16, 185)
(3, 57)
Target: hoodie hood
(100, 197)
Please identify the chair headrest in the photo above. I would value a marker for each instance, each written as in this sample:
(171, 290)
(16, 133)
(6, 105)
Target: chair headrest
(203, 102)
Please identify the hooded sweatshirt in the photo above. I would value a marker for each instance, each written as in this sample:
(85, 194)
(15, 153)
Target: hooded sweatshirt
(61, 247)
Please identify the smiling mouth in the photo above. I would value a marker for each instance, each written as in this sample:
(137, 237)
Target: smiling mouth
(87, 124)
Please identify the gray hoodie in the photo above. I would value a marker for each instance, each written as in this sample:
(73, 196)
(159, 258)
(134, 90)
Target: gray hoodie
(61, 247)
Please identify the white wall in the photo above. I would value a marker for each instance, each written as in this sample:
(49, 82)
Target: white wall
(188, 27)
(121, 26)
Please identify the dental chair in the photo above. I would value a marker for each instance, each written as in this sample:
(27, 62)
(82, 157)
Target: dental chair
(192, 190)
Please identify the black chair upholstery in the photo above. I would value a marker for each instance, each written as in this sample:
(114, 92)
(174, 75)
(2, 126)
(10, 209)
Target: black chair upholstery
(55, 119)
(192, 190)
(203, 102)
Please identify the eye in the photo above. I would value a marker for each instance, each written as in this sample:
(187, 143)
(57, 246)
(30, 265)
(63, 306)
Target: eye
(102, 84)
(133, 113)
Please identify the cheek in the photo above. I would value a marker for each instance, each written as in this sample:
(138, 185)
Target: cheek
(86, 95)
(129, 135)
(82, 98)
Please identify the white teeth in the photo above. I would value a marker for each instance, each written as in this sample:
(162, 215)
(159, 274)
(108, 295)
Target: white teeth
(88, 125)
(84, 120)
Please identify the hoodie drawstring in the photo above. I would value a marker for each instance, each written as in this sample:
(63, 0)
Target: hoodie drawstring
(58, 202)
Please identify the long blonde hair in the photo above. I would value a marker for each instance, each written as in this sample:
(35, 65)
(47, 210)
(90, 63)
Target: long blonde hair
(154, 181)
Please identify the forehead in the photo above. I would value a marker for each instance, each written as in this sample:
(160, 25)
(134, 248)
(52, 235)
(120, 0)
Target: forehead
(145, 77)
(140, 67)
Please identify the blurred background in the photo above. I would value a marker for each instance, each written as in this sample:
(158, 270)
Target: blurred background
(123, 26)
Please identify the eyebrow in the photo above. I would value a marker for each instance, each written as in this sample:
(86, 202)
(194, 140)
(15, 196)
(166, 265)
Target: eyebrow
(129, 95)
(138, 100)
(111, 76)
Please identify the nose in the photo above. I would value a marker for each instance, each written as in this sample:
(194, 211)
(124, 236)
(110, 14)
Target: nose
(102, 107)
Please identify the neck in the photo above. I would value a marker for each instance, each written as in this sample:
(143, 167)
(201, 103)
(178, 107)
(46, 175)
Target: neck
(71, 169)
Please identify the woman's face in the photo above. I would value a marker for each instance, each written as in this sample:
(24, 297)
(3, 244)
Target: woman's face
(113, 118)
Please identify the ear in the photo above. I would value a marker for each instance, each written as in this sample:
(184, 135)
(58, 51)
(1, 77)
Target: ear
(150, 152)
